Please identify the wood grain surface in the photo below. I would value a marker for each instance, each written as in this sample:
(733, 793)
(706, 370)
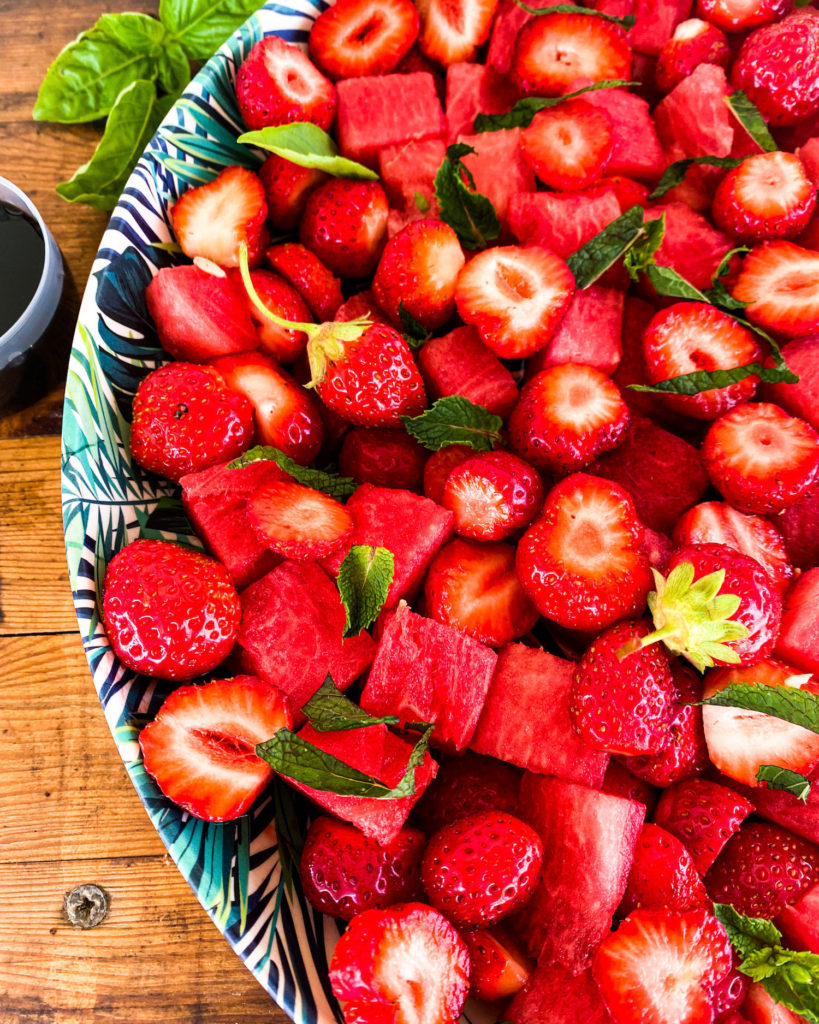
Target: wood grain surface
(68, 813)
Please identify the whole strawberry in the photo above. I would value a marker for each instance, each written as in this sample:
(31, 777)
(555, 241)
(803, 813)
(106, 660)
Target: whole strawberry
(345, 224)
(663, 875)
(465, 785)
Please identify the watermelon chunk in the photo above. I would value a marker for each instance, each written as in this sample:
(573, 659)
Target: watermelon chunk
(655, 21)
(525, 720)
(424, 671)
(386, 110)
(292, 632)
(636, 150)
(590, 332)
(800, 399)
(509, 20)
(799, 923)
(798, 642)
(473, 89)
(554, 996)
(690, 245)
(216, 502)
(694, 119)
(561, 221)
(411, 526)
(761, 1008)
(799, 526)
(460, 364)
(809, 155)
(495, 150)
(408, 176)
(378, 752)
(588, 846)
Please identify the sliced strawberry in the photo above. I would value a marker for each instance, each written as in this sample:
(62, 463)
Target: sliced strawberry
(354, 38)
(301, 268)
(554, 50)
(286, 188)
(465, 785)
(760, 459)
(493, 495)
(780, 283)
(499, 967)
(284, 344)
(473, 587)
(581, 562)
(215, 219)
(278, 84)
(663, 875)
(568, 146)
(628, 192)
(768, 196)
(384, 457)
(729, 993)
(345, 225)
(694, 42)
(201, 747)
(659, 967)
(739, 15)
(439, 465)
(515, 296)
(297, 521)
(451, 30)
(567, 415)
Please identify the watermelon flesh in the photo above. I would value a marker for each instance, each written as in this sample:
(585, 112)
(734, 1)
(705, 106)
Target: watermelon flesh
(495, 150)
(425, 671)
(655, 21)
(553, 995)
(690, 245)
(473, 89)
(459, 363)
(809, 155)
(590, 332)
(408, 176)
(525, 720)
(798, 642)
(636, 150)
(799, 923)
(800, 399)
(694, 119)
(799, 526)
(561, 221)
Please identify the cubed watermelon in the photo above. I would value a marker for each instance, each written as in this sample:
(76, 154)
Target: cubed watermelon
(424, 671)
(636, 150)
(386, 110)
(509, 20)
(799, 526)
(474, 89)
(694, 119)
(378, 752)
(562, 221)
(408, 176)
(690, 245)
(655, 21)
(411, 526)
(799, 923)
(800, 399)
(798, 642)
(494, 150)
(292, 632)
(588, 846)
(553, 995)
(589, 333)
(809, 155)
(525, 720)
(459, 363)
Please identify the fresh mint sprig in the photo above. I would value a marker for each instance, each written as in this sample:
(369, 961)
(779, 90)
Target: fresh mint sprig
(363, 584)
(523, 112)
(455, 420)
(470, 214)
(334, 484)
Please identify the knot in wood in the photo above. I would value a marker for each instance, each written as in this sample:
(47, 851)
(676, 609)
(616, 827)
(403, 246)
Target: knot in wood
(86, 906)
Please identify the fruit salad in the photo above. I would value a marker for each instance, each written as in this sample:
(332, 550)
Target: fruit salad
(491, 396)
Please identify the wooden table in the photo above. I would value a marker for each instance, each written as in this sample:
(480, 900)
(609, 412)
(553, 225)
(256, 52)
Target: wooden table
(68, 813)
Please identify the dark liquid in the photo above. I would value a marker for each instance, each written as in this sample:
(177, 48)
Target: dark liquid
(22, 255)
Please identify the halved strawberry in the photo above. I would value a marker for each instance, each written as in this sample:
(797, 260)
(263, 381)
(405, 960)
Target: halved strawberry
(354, 38)
(694, 42)
(568, 146)
(297, 521)
(492, 495)
(282, 343)
(278, 84)
(383, 456)
(554, 50)
(286, 188)
(345, 224)
(515, 296)
(780, 283)
(473, 587)
(215, 219)
(499, 967)
(566, 416)
(767, 196)
(451, 30)
(663, 875)
(301, 268)
(739, 15)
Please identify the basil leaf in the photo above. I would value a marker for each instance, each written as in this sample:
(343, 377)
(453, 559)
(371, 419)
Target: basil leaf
(790, 703)
(785, 779)
(470, 214)
(306, 145)
(523, 112)
(415, 334)
(455, 420)
(751, 120)
(201, 26)
(675, 173)
(133, 120)
(641, 255)
(328, 710)
(85, 80)
(601, 252)
(331, 483)
(627, 21)
(363, 582)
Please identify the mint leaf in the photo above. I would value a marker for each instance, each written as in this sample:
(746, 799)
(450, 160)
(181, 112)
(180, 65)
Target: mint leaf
(307, 145)
(791, 704)
(201, 26)
(786, 780)
(627, 21)
(331, 483)
(675, 173)
(469, 213)
(601, 252)
(672, 285)
(751, 120)
(455, 420)
(363, 582)
(415, 334)
(421, 202)
(707, 380)
(748, 935)
(641, 255)
(523, 112)
(328, 710)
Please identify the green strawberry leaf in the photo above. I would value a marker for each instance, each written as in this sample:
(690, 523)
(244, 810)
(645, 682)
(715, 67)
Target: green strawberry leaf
(201, 26)
(675, 173)
(321, 480)
(785, 779)
(627, 21)
(455, 420)
(601, 252)
(329, 710)
(751, 120)
(469, 213)
(307, 145)
(523, 112)
(415, 334)
(363, 583)
(790, 703)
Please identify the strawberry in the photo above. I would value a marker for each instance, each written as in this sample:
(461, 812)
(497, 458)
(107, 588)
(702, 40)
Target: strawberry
(704, 815)
(628, 192)
(345, 224)
(406, 965)
(498, 966)
(360, 305)
(739, 15)
(694, 42)
(515, 296)
(729, 994)
(482, 867)
(492, 495)
(760, 459)
(566, 416)
(344, 873)
(554, 50)
(581, 562)
(286, 187)
(201, 747)
(214, 219)
(285, 414)
(568, 146)
(623, 706)
(780, 283)
(278, 84)
(384, 457)
(169, 611)
(619, 781)
(762, 870)
(282, 343)
(663, 875)
(418, 270)
(301, 268)
(778, 68)
(438, 467)
(185, 418)
(767, 196)
(465, 785)
(660, 965)
(740, 742)
(473, 587)
(298, 521)
(691, 336)
(354, 38)
(451, 30)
